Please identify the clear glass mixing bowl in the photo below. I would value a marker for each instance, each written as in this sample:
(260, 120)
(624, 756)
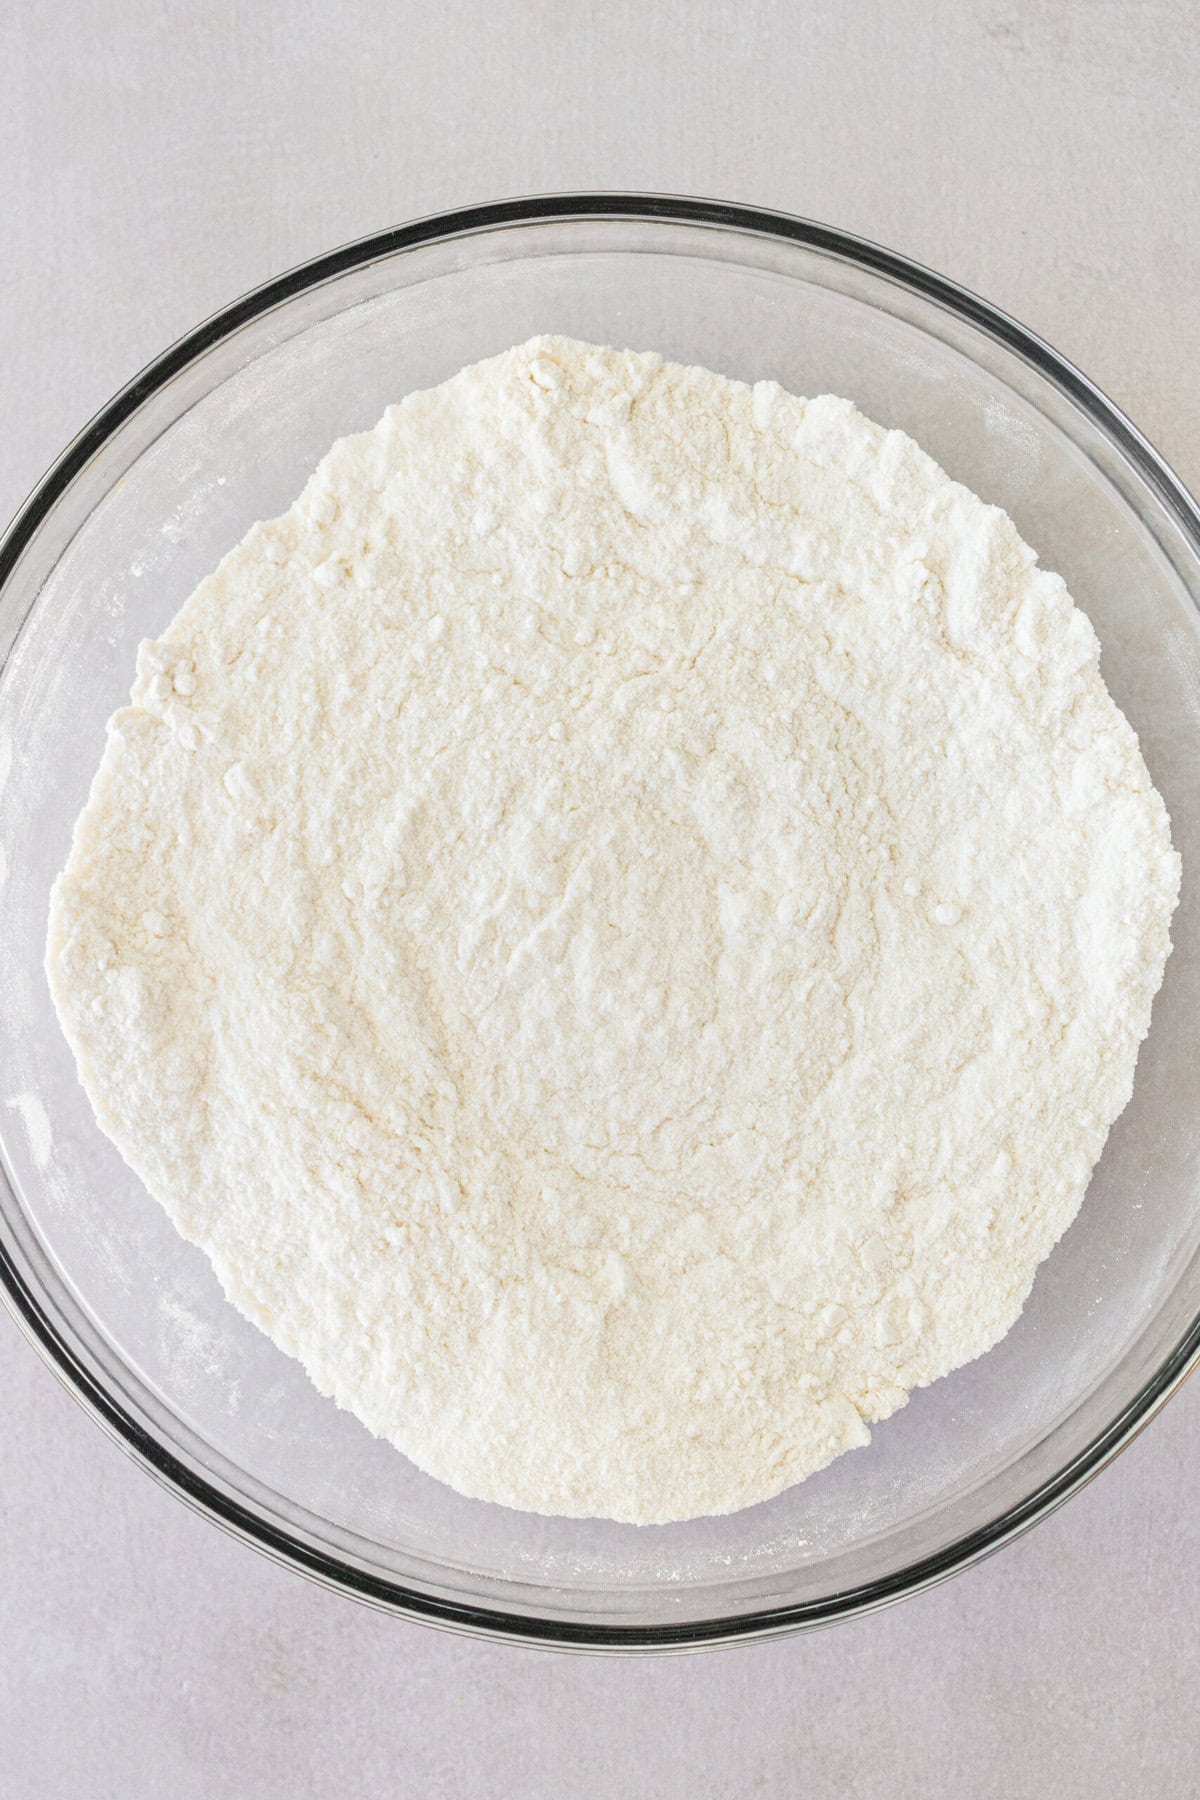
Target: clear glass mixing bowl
(223, 430)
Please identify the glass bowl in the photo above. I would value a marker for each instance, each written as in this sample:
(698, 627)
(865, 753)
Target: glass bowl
(222, 430)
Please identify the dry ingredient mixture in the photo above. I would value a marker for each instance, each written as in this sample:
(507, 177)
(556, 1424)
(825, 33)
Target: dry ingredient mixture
(620, 923)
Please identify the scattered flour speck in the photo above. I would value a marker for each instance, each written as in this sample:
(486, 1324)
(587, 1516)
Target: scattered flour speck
(34, 1118)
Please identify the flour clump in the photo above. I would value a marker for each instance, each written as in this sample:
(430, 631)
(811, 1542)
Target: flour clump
(621, 924)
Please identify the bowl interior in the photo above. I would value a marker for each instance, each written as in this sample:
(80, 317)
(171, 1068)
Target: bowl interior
(230, 438)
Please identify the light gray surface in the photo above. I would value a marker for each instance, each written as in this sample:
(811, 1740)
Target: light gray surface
(157, 160)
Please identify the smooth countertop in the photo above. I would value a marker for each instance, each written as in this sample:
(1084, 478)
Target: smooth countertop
(156, 161)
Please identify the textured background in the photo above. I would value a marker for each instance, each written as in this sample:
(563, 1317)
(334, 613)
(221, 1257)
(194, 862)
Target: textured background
(158, 158)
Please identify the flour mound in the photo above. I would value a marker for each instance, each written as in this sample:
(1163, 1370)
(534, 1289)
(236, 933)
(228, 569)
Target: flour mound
(620, 923)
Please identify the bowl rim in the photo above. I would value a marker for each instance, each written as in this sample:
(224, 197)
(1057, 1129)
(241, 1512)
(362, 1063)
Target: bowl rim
(203, 1495)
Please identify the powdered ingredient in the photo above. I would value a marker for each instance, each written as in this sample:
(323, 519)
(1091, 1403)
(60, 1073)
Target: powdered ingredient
(620, 923)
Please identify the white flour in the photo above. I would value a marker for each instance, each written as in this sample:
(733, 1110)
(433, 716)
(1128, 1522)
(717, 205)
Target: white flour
(621, 924)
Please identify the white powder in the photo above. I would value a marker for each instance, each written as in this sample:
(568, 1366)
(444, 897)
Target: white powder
(37, 1128)
(621, 923)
